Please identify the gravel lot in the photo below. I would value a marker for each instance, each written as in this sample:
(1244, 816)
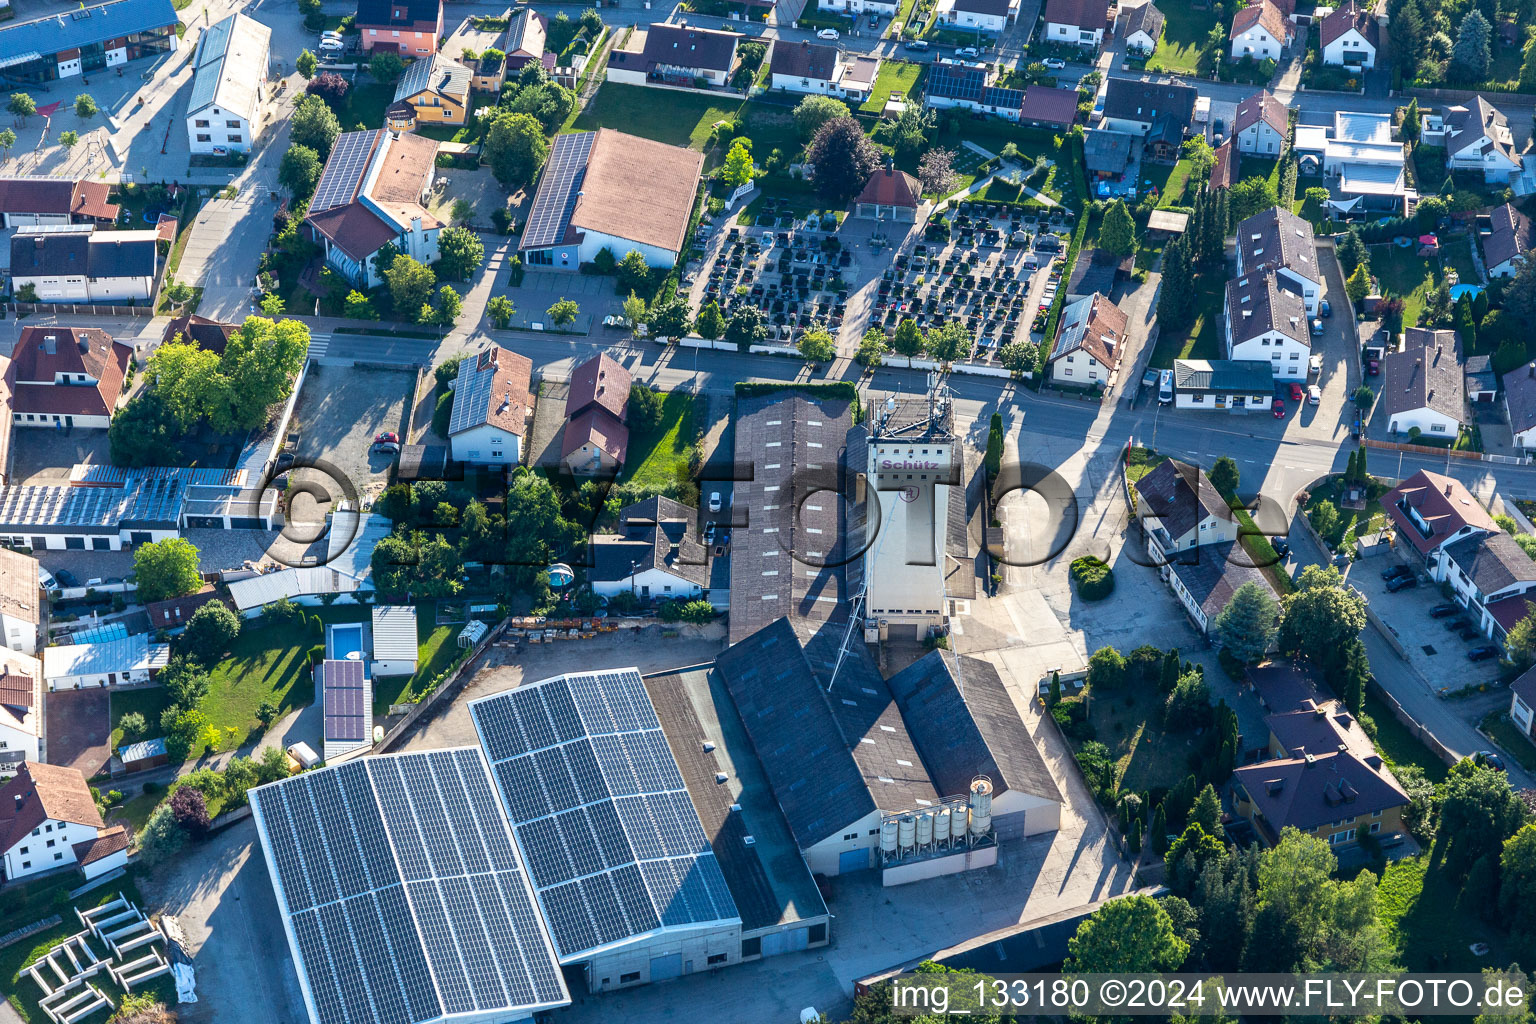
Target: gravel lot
(339, 412)
(43, 456)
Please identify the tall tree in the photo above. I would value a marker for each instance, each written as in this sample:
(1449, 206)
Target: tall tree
(313, 123)
(908, 339)
(299, 172)
(843, 158)
(1247, 626)
(515, 147)
(1321, 616)
(1352, 675)
(1175, 302)
(165, 569)
(460, 253)
(1412, 124)
(1117, 234)
(1407, 35)
(1207, 812)
(1129, 934)
(737, 169)
(1473, 50)
(1478, 812)
(1517, 885)
(814, 111)
(1225, 477)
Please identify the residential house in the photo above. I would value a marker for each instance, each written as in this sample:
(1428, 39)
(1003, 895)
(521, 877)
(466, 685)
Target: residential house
(1047, 107)
(1422, 386)
(491, 403)
(1260, 32)
(21, 710)
(1520, 404)
(1335, 795)
(1179, 512)
(1512, 237)
(675, 55)
(78, 263)
(49, 820)
(655, 555)
(1205, 577)
(121, 662)
(1267, 321)
(107, 34)
(607, 190)
(888, 8)
(1112, 161)
(1278, 241)
(972, 87)
(1158, 113)
(229, 86)
(1261, 125)
(520, 43)
(410, 28)
(1360, 159)
(1222, 384)
(208, 335)
(21, 602)
(989, 16)
(527, 32)
(1476, 137)
(1076, 22)
(396, 642)
(65, 377)
(821, 70)
(173, 614)
(1089, 341)
(373, 193)
(1350, 35)
(433, 90)
(1140, 26)
(1429, 511)
(1522, 701)
(890, 194)
(596, 438)
(28, 202)
(1492, 578)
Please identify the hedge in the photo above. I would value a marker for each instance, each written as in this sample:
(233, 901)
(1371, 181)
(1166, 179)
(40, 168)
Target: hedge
(1095, 580)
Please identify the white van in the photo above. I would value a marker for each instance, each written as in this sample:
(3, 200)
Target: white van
(1165, 388)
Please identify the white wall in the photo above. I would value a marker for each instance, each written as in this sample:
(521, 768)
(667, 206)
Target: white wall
(1204, 401)
(822, 858)
(22, 220)
(1079, 368)
(1260, 139)
(662, 584)
(20, 635)
(692, 946)
(42, 857)
(476, 446)
(1519, 713)
(1256, 43)
(1350, 48)
(1058, 33)
(13, 739)
(806, 86)
(1429, 422)
(1287, 356)
(1310, 289)
(858, 6)
(594, 242)
(1139, 40)
(223, 128)
(1508, 268)
(79, 289)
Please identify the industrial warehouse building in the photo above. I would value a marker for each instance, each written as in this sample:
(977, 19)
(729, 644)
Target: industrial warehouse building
(68, 43)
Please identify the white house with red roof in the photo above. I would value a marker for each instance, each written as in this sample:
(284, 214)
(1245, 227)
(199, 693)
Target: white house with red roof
(1076, 22)
(490, 408)
(65, 377)
(596, 437)
(48, 820)
(1088, 343)
(1261, 31)
(21, 708)
(1260, 124)
(1350, 36)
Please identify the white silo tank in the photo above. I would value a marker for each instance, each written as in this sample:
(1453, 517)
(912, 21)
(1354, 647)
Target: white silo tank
(906, 832)
(925, 830)
(888, 837)
(941, 825)
(981, 806)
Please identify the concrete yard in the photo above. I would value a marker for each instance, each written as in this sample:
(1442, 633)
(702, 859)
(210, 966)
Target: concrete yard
(337, 415)
(43, 456)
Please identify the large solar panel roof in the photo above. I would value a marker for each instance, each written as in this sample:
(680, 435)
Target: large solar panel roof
(344, 170)
(402, 892)
(613, 843)
(555, 201)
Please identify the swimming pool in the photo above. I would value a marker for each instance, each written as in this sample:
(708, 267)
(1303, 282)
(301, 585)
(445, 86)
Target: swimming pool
(347, 641)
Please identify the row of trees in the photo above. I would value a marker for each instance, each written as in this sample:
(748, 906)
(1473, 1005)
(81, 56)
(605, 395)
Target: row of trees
(184, 816)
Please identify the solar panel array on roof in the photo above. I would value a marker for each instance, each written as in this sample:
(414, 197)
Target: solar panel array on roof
(404, 896)
(613, 843)
(346, 711)
(555, 200)
(344, 171)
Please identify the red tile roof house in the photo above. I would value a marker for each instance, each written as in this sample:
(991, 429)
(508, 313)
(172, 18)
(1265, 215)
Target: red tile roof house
(410, 28)
(596, 412)
(49, 821)
(490, 408)
(26, 202)
(65, 377)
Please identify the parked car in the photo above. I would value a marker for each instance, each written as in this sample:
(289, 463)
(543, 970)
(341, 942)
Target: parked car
(45, 579)
(65, 578)
(1401, 583)
(1393, 571)
(1483, 652)
(1456, 625)
(1373, 367)
(1165, 387)
(1440, 611)
(386, 435)
(968, 51)
(1296, 391)
(1323, 308)
(714, 501)
(829, 34)
(1468, 632)
(1218, 126)
(387, 447)
(1488, 759)
(1314, 394)
(1055, 63)
(1278, 408)
(916, 45)
(1317, 328)
(1281, 545)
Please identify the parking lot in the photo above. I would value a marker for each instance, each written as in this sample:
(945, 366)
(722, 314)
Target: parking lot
(1431, 646)
(44, 455)
(339, 412)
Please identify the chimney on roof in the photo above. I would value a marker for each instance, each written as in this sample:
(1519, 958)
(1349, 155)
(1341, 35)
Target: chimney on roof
(1311, 760)
(1447, 490)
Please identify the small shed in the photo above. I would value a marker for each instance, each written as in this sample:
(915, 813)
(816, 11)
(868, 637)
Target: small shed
(145, 754)
(1165, 224)
(1482, 382)
(394, 640)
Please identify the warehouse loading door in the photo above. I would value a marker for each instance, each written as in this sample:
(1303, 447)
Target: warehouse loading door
(852, 860)
(664, 967)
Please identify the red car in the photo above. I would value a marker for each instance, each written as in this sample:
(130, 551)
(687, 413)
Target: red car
(1279, 408)
(1296, 393)
(387, 437)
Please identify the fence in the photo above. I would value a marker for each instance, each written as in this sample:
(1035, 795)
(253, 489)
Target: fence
(1441, 96)
(83, 309)
(445, 688)
(30, 929)
(1420, 733)
(1422, 449)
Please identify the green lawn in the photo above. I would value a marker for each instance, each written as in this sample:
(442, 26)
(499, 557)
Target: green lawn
(1509, 738)
(1418, 907)
(1175, 185)
(454, 133)
(1184, 30)
(1399, 746)
(437, 647)
(1203, 340)
(1352, 522)
(1130, 725)
(895, 77)
(1141, 461)
(1404, 273)
(676, 118)
(771, 126)
(1456, 254)
(365, 105)
(149, 702)
(660, 456)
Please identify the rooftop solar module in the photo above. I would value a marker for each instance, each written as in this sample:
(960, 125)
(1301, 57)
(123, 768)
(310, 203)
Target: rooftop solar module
(347, 703)
(344, 170)
(402, 893)
(555, 201)
(613, 843)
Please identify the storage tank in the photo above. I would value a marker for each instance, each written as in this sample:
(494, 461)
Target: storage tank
(981, 806)
(959, 819)
(888, 837)
(941, 825)
(925, 830)
(906, 832)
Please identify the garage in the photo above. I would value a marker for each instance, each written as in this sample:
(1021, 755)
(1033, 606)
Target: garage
(853, 860)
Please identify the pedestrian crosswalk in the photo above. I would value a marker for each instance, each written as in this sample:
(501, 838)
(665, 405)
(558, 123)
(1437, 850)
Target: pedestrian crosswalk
(319, 344)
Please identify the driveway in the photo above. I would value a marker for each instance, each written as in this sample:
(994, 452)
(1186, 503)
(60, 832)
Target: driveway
(224, 249)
